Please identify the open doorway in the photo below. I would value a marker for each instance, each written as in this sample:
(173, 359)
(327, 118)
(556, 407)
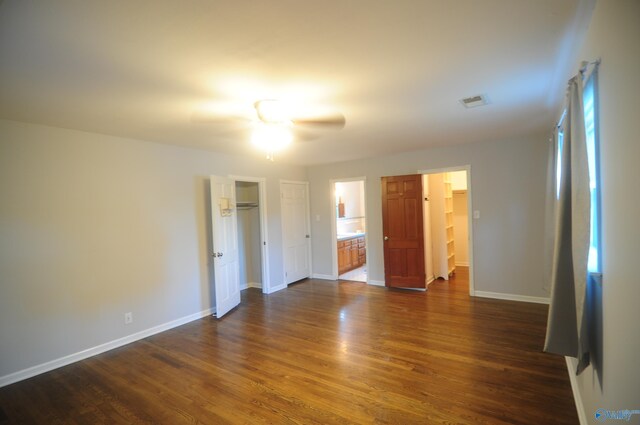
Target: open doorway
(350, 234)
(251, 227)
(447, 224)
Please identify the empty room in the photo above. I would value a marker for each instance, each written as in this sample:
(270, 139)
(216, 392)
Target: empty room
(336, 212)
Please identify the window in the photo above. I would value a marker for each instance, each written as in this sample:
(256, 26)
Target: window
(594, 264)
(590, 121)
(559, 162)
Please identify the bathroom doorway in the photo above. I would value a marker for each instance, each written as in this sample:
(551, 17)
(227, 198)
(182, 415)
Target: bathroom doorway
(349, 229)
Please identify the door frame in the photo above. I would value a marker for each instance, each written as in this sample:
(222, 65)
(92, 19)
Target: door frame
(308, 225)
(334, 223)
(262, 210)
(466, 168)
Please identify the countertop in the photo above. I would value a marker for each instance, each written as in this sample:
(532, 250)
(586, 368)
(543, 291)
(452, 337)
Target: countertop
(346, 236)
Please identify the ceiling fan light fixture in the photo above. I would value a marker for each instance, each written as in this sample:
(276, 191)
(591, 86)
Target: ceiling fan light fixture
(273, 111)
(271, 137)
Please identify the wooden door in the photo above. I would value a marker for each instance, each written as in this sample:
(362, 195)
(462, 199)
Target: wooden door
(402, 227)
(226, 263)
(295, 231)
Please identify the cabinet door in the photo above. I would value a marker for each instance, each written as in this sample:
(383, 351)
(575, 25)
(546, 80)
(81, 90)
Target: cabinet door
(347, 255)
(362, 256)
(343, 255)
(354, 256)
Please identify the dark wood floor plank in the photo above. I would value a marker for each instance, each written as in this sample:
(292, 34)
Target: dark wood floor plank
(321, 352)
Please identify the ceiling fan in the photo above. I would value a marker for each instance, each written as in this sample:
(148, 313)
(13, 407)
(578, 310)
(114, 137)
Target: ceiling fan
(275, 124)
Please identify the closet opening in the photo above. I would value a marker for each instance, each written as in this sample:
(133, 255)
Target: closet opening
(350, 230)
(447, 224)
(252, 250)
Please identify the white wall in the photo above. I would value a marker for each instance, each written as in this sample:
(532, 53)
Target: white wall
(352, 195)
(458, 180)
(507, 181)
(614, 36)
(93, 226)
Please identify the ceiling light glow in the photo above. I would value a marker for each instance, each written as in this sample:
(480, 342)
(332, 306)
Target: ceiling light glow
(271, 137)
(274, 111)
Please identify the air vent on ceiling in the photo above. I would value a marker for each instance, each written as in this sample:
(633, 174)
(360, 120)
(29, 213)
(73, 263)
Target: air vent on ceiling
(474, 101)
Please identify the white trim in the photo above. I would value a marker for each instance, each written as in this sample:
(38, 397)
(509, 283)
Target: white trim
(511, 297)
(430, 280)
(462, 264)
(376, 282)
(277, 288)
(323, 276)
(294, 181)
(250, 285)
(577, 397)
(466, 168)
(98, 349)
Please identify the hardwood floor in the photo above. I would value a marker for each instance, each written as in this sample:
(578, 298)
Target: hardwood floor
(320, 352)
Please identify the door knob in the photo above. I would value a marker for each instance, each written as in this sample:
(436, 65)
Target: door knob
(386, 238)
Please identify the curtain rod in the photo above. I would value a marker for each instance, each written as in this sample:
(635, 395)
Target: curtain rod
(584, 66)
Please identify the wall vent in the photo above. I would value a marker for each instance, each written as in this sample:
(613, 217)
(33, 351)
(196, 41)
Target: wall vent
(474, 101)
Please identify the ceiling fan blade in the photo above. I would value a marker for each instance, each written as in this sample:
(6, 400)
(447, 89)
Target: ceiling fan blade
(203, 117)
(333, 122)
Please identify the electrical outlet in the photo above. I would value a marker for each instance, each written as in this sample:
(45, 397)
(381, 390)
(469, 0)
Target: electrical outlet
(128, 318)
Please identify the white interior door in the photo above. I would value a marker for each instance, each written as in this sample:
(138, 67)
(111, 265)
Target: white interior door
(225, 244)
(295, 231)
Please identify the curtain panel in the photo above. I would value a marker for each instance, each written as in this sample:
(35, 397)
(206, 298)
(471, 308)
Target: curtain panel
(567, 328)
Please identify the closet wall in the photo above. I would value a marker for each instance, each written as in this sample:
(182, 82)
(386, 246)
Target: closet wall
(428, 244)
(249, 249)
(460, 217)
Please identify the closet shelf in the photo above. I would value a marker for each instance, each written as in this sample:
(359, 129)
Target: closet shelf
(242, 205)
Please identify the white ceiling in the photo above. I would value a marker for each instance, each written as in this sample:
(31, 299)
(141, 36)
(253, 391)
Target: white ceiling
(395, 68)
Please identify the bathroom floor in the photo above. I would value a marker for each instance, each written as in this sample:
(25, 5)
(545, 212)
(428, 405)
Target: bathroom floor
(358, 275)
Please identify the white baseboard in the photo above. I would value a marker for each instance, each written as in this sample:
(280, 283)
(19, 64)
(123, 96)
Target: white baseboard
(323, 276)
(246, 285)
(277, 288)
(430, 280)
(511, 297)
(577, 397)
(93, 351)
(376, 282)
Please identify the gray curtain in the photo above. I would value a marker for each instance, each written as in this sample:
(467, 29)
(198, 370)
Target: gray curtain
(567, 331)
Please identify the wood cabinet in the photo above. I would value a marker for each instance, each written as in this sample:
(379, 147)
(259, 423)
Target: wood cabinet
(352, 253)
